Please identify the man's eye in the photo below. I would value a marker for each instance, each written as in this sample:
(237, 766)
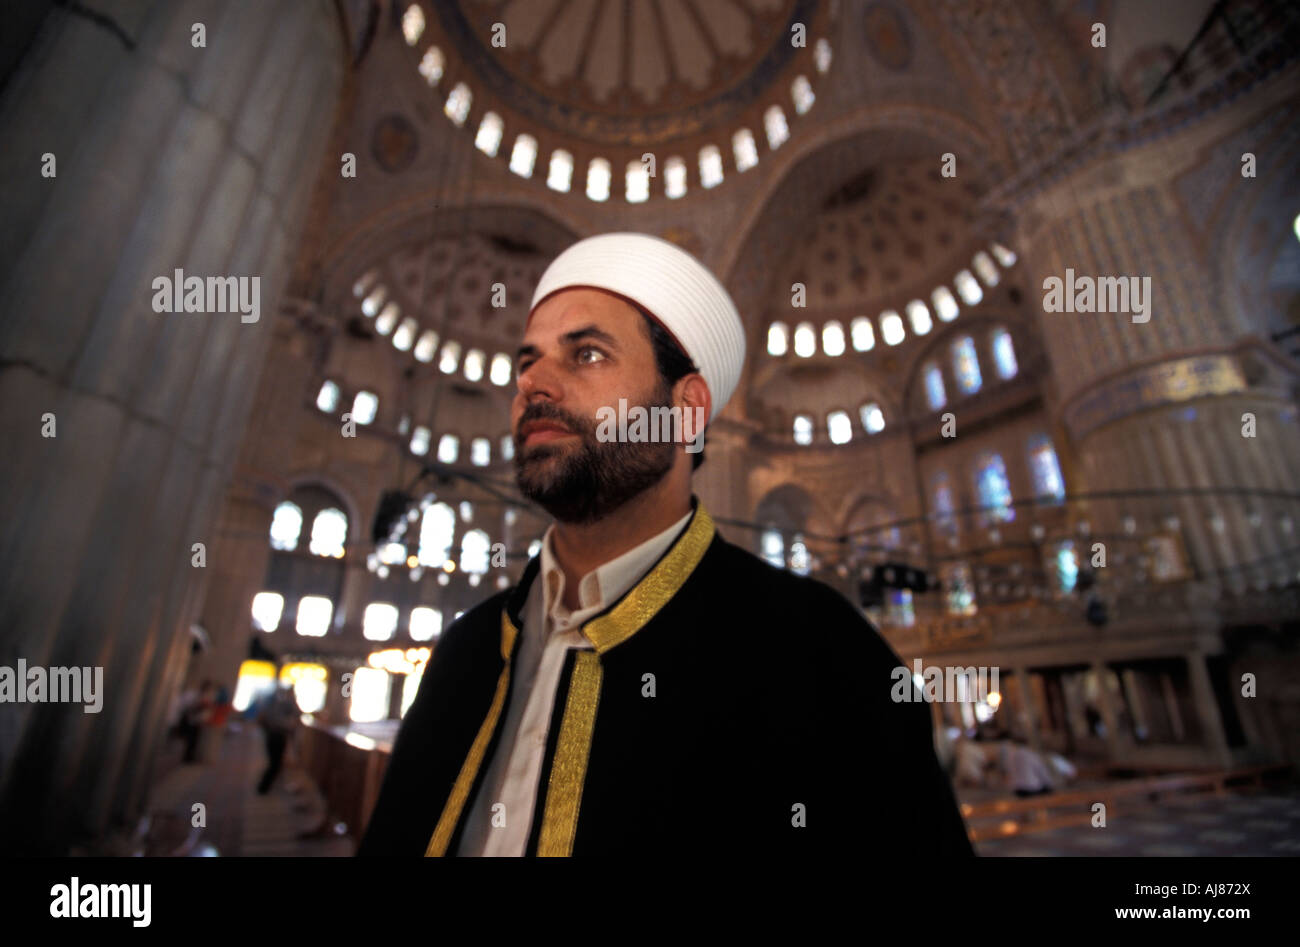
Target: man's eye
(586, 351)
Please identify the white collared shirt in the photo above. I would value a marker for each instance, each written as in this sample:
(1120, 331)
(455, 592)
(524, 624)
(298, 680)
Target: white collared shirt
(550, 631)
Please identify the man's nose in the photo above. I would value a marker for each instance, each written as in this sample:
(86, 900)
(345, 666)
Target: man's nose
(540, 381)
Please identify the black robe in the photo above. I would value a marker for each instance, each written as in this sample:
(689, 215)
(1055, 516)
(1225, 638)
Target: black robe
(771, 729)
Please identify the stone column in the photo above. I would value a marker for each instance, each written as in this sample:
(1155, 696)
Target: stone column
(167, 156)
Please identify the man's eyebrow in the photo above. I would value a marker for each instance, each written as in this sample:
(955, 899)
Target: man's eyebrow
(570, 338)
(591, 331)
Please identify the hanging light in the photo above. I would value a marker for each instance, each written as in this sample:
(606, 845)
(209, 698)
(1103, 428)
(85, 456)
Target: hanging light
(1084, 527)
(416, 573)
(1172, 523)
(443, 578)
(1038, 532)
(1130, 525)
(382, 572)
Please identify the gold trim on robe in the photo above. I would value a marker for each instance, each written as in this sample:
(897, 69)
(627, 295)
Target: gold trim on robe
(451, 812)
(634, 612)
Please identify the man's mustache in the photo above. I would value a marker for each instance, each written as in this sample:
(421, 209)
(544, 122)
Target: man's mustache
(545, 411)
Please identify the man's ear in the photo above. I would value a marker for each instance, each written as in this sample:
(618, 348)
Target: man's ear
(693, 394)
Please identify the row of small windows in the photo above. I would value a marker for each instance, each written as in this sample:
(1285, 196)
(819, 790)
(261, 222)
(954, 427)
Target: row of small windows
(600, 173)
(993, 488)
(312, 619)
(862, 333)
(387, 314)
(966, 367)
(838, 425)
(329, 530)
(448, 452)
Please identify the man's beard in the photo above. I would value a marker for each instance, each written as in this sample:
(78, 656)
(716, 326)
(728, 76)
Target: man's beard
(585, 483)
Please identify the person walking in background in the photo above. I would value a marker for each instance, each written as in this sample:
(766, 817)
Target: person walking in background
(278, 718)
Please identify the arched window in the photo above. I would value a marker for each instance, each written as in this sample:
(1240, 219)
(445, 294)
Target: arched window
(364, 407)
(873, 419)
(1045, 469)
(919, 316)
(523, 156)
(960, 588)
(774, 548)
(944, 303)
(286, 526)
(480, 452)
(1004, 354)
(944, 505)
(448, 448)
(458, 104)
(413, 24)
(327, 399)
(450, 358)
(500, 371)
(803, 429)
(802, 93)
(864, 336)
(935, 395)
(488, 139)
(833, 338)
(966, 365)
(891, 327)
(839, 427)
(560, 175)
(427, 345)
(776, 127)
(993, 488)
(710, 166)
(388, 318)
(1004, 256)
(436, 531)
(420, 441)
(370, 305)
(474, 359)
(404, 337)
(432, 65)
(475, 551)
(968, 288)
(329, 533)
(364, 282)
(636, 182)
(822, 55)
(675, 177)
(507, 447)
(984, 268)
(379, 621)
(598, 178)
(805, 340)
(426, 623)
(267, 608)
(744, 149)
(777, 338)
(314, 614)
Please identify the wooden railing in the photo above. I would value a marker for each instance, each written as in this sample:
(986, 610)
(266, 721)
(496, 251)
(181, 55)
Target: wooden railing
(349, 776)
(1002, 818)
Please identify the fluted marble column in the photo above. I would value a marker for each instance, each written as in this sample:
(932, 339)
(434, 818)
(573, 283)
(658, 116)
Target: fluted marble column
(168, 156)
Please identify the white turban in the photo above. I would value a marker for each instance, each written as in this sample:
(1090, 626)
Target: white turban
(672, 286)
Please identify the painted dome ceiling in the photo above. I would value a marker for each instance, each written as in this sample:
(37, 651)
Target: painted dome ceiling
(631, 72)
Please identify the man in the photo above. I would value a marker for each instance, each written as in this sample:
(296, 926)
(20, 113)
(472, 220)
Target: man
(647, 687)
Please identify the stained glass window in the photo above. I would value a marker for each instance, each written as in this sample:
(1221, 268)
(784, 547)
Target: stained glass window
(966, 365)
(935, 395)
(944, 505)
(993, 488)
(1045, 468)
(959, 589)
(1004, 354)
(1066, 567)
(799, 556)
